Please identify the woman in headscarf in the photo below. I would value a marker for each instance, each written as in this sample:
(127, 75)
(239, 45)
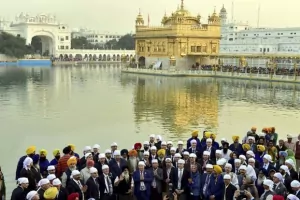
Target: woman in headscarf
(27, 173)
(262, 175)
(248, 184)
(291, 155)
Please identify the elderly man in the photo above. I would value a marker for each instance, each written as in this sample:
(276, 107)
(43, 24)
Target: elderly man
(113, 147)
(62, 192)
(116, 164)
(32, 195)
(65, 178)
(44, 184)
(92, 184)
(295, 185)
(279, 187)
(142, 182)
(208, 147)
(96, 152)
(85, 172)
(133, 160)
(156, 185)
(286, 179)
(76, 185)
(233, 176)
(289, 143)
(19, 193)
(194, 137)
(268, 193)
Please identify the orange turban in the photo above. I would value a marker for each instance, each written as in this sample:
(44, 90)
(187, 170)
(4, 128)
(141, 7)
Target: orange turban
(132, 153)
(72, 160)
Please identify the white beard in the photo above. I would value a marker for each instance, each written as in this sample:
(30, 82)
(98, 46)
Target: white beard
(133, 162)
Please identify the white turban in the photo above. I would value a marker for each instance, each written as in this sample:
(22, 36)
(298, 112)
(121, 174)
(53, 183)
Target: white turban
(251, 173)
(179, 143)
(154, 161)
(50, 167)
(107, 151)
(27, 162)
(192, 155)
(146, 153)
(51, 177)
(206, 153)
(285, 168)
(93, 170)
(142, 163)
(209, 140)
(243, 167)
(250, 153)
(193, 141)
(269, 183)
(222, 161)
(186, 153)
(87, 155)
(177, 155)
(267, 157)
(295, 184)
(146, 143)
(87, 148)
(158, 137)
(96, 146)
(173, 149)
(105, 167)
(279, 176)
(228, 165)
(23, 180)
(56, 182)
(101, 155)
(242, 157)
(153, 148)
(209, 166)
(180, 161)
(117, 153)
(114, 144)
(31, 194)
(237, 161)
(227, 177)
(163, 143)
(292, 197)
(75, 172)
(218, 151)
(152, 136)
(43, 181)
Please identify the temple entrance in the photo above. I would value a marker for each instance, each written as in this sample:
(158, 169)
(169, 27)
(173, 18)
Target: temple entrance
(142, 61)
(42, 45)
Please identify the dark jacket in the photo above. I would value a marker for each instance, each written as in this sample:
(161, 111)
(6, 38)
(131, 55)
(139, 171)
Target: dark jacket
(93, 190)
(18, 194)
(229, 191)
(74, 188)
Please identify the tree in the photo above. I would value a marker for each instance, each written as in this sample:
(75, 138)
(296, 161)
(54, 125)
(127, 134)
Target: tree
(125, 42)
(81, 43)
(13, 46)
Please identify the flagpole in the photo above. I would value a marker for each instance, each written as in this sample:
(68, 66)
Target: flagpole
(148, 20)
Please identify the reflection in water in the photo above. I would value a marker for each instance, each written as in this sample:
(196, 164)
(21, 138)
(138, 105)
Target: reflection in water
(182, 104)
(87, 104)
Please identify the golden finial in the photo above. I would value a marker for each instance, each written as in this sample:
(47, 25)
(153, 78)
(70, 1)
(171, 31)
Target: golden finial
(178, 7)
(215, 10)
(182, 4)
(139, 11)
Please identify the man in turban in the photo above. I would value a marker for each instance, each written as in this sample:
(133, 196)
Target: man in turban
(62, 162)
(85, 172)
(72, 162)
(260, 153)
(30, 152)
(236, 146)
(124, 154)
(19, 192)
(51, 193)
(43, 162)
(73, 196)
(216, 185)
(194, 137)
(133, 160)
(56, 154)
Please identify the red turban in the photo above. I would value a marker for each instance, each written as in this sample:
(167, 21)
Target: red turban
(278, 197)
(73, 196)
(90, 163)
(137, 146)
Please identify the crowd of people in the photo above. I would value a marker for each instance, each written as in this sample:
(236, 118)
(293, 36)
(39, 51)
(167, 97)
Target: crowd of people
(259, 166)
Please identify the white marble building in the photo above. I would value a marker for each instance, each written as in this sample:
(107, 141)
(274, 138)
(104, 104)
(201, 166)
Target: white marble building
(56, 37)
(53, 34)
(238, 38)
(96, 37)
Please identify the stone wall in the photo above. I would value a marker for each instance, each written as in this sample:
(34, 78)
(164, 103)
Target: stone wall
(182, 63)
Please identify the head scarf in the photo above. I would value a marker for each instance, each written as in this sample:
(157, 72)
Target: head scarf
(290, 155)
(26, 163)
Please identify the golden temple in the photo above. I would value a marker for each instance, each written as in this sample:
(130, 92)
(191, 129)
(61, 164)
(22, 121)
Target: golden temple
(181, 37)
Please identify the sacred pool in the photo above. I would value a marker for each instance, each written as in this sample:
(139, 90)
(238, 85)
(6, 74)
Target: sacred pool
(88, 104)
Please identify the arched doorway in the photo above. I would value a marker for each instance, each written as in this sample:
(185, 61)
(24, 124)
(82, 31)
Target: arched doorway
(78, 57)
(100, 57)
(118, 57)
(42, 45)
(142, 61)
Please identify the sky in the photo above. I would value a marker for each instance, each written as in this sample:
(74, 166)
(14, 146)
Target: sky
(118, 16)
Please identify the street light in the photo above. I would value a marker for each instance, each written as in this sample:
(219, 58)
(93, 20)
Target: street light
(273, 65)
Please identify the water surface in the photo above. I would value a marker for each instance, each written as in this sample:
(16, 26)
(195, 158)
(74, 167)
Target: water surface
(88, 104)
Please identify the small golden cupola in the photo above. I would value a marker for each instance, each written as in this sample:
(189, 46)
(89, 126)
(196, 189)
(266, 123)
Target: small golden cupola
(164, 19)
(214, 18)
(139, 20)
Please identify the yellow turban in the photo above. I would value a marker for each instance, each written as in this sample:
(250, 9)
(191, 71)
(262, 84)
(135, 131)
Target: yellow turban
(55, 152)
(161, 152)
(253, 128)
(246, 147)
(72, 147)
(213, 136)
(50, 193)
(235, 137)
(72, 160)
(195, 133)
(207, 134)
(261, 148)
(43, 151)
(30, 150)
(218, 169)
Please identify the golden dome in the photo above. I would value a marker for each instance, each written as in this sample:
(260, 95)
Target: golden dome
(214, 17)
(164, 19)
(139, 19)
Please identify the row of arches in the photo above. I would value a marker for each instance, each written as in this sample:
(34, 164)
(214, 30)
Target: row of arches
(90, 57)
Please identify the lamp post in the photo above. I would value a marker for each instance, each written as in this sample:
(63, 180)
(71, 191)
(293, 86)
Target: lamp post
(295, 71)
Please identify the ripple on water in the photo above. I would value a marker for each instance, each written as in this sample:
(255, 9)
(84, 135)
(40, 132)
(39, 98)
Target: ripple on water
(97, 104)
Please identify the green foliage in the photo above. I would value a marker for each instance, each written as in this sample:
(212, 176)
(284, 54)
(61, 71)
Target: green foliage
(13, 46)
(82, 43)
(125, 42)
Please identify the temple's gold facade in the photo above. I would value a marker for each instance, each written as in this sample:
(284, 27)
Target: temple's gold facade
(182, 36)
